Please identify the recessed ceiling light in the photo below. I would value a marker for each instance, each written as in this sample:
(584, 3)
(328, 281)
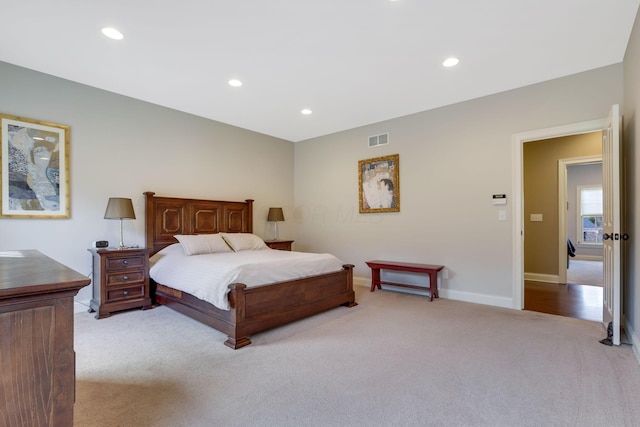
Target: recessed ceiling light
(450, 62)
(235, 83)
(306, 111)
(112, 33)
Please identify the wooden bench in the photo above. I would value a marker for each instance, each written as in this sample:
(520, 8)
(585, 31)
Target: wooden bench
(431, 270)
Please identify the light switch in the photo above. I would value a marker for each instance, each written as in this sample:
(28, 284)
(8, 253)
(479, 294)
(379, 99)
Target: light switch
(502, 215)
(536, 217)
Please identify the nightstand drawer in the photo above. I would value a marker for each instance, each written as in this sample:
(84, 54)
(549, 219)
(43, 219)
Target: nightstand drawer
(120, 294)
(114, 263)
(125, 278)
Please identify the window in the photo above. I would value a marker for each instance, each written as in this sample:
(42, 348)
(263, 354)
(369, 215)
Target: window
(590, 220)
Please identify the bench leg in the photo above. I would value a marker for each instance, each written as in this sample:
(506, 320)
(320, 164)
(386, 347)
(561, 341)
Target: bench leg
(375, 279)
(433, 285)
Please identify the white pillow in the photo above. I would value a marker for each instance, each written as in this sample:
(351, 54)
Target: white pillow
(198, 244)
(243, 241)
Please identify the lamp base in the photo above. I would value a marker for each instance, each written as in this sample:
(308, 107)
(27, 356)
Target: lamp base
(121, 239)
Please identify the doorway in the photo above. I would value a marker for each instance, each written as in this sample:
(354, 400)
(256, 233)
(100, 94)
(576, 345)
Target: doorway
(613, 228)
(553, 171)
(520, 141)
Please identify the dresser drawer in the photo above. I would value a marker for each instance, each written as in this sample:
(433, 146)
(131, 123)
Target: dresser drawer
(118, 279)
(130, 292)
(116, 263)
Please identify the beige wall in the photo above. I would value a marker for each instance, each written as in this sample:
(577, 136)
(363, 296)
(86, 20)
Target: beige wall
(122, 147)
(452, 160)
(631, 137)
(540, 181)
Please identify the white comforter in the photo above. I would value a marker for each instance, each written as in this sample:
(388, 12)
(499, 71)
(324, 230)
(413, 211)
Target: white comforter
(207, 276)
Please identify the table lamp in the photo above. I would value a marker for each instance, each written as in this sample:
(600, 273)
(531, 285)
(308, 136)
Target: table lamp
(275, 215)
(120, 208)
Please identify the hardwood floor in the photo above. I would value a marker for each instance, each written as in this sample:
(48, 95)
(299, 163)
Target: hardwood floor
(577, 301)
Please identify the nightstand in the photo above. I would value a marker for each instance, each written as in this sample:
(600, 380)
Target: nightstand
(283, 245)
(120, 280)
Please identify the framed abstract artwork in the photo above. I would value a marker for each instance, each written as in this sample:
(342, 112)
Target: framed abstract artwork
(379, 184)
(34, 164)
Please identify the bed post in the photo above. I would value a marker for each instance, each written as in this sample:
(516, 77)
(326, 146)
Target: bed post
(237, 338)
(149, 215)
(352, 301)
(249, 215)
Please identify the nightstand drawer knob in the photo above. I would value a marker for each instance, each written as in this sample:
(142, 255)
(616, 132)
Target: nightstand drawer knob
(125, 261)
(125, 293)
(125, 277)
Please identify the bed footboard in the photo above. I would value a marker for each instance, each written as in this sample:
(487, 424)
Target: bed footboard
(265, 307)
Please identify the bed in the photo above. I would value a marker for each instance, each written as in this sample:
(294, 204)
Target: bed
(251, 309)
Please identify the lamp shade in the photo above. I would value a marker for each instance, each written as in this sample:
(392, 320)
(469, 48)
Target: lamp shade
(119, 208)
(275, 214)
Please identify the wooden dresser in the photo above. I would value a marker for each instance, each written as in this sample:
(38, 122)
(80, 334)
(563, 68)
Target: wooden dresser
(37, 360)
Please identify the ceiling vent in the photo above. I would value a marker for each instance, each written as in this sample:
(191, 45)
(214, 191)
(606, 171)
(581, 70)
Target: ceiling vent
(382, 139)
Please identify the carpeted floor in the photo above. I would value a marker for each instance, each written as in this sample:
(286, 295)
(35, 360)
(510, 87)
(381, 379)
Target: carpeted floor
(394, 360)
(581, 272)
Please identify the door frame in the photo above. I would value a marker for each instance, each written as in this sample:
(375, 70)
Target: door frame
(517, 144)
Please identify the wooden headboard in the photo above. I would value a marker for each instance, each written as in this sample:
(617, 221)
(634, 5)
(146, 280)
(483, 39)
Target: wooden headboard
(168, 216)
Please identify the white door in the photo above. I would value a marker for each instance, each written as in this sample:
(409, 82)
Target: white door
(611, 167)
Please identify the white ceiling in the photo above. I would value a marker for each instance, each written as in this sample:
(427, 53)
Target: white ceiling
(353, 62)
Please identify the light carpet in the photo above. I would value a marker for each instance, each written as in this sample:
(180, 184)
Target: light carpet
(584, 272)
(394, 360)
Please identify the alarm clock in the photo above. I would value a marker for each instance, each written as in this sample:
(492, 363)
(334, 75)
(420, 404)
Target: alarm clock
(101, 244)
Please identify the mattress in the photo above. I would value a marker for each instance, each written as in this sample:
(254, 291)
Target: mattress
(207, 276)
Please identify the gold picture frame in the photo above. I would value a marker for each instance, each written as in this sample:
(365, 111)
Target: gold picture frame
(34, 168)
(379, 184)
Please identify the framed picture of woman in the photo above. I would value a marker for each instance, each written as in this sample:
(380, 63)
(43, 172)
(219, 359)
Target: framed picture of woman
(379, 184)
(34, 162)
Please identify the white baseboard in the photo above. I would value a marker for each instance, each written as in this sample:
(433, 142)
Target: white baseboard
(546, 278)
(362, 281)
(493, 300)
(503, 302)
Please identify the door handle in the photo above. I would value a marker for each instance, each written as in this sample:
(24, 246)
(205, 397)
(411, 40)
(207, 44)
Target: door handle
(615, 236)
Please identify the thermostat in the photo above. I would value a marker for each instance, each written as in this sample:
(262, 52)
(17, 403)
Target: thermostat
(499, 199)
